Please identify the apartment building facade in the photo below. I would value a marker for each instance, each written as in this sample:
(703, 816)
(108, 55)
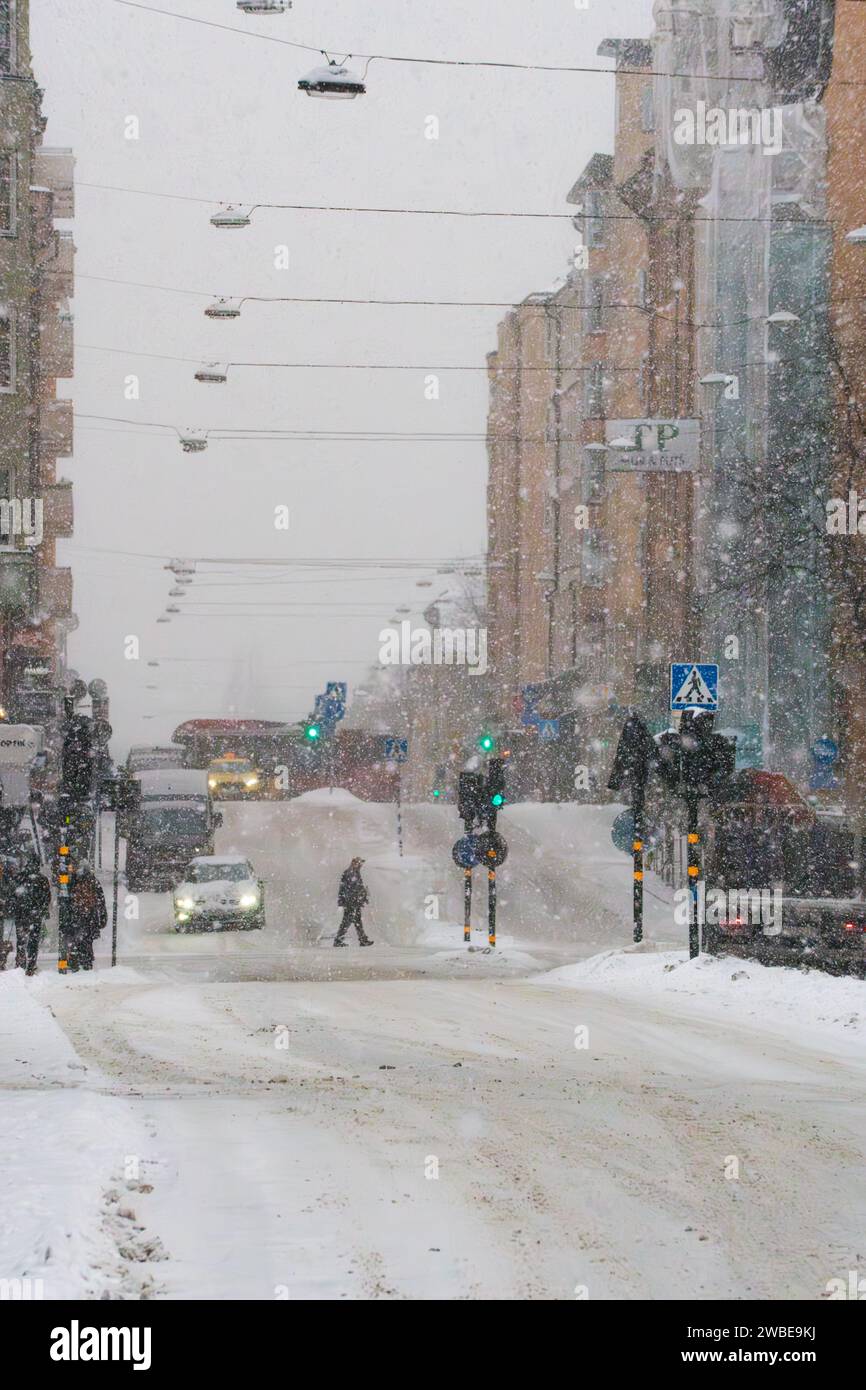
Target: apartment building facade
(590, 506)
(36, 283)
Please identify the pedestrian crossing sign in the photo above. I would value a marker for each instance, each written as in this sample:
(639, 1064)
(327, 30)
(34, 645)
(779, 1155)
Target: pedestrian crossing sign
(694, 685)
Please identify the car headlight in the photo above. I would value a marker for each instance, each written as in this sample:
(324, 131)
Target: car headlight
(211, 781)
(251, 781)
(249, 900)
(183, 916)
(184, 902)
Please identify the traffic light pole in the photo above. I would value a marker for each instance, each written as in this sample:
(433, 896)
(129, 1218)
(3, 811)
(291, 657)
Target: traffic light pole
(638, 798)
(694, 873)
(115, 885)
(491, 884)
(467, 905)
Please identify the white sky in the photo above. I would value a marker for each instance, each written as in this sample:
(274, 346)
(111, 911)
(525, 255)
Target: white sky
(220, 118)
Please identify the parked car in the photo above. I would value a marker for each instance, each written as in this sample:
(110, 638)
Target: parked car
(219, 891)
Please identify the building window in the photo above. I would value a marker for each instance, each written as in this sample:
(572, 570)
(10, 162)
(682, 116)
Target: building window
(7, 36)
(7, 351)
(595, 391)
(592, 559)
(592, 477)
(647, 109)
(7, 193)
(595, 304)
(592, 207)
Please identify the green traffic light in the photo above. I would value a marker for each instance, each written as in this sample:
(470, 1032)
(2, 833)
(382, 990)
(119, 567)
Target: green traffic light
(437, 792)
(312, 732)
(497, 799)
(486, 743)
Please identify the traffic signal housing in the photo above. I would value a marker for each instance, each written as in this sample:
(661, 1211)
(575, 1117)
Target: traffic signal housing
(312, 732)
(496, 783)
(470, 797)
(77, 758)
(487, 742)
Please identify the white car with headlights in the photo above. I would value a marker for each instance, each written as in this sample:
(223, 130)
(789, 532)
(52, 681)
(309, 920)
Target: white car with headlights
(219, 891)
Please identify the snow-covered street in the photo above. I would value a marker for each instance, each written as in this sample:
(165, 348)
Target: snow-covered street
(258, 1116)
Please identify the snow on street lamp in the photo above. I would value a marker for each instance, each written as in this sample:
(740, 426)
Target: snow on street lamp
(783, 317)
(163, 620)
(193, 441)
(264, 6)
(212, 374)
(335, 82)
(857, 237)
(229, 216)
(714, 379)
(223, 309)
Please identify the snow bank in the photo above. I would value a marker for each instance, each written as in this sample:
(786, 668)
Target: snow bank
(801, 1003)
(61, 1150)
(321, 796)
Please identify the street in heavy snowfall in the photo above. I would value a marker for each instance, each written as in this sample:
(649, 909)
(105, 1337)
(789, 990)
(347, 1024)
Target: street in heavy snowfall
(432, 656)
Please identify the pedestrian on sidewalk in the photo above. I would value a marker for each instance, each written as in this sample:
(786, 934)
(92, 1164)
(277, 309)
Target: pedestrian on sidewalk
(87, 917)
(351, 898)
(31, 903)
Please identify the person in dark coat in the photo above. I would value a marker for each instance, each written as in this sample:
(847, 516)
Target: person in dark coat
(87, 917)
(30, 905)
(351, 898)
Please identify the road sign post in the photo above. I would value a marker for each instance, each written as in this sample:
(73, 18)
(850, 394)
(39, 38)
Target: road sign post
(694, 685)
(397, 751)
(631, 767)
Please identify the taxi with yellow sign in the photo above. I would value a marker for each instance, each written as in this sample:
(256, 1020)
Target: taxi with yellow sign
(232, 777)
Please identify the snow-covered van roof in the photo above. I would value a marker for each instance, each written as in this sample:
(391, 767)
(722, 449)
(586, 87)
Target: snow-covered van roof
(220, 859)
(172, 782)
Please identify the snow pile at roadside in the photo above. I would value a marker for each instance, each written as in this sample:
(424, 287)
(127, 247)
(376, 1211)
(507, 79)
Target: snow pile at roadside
(801, 1002)
(62, 1149)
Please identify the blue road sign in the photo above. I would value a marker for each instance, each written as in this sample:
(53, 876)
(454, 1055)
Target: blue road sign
(694, 685)
(823, 752)
(531, 694)
(336, 693)
(396, 750)
(548, 730)
(465, 852)
(622, 832)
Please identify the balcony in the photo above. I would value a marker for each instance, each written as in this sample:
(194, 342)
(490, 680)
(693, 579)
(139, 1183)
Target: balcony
(54, 169)
(59, 511)
(17, 582)
(55, 428)
(56, 343)
(55, 592)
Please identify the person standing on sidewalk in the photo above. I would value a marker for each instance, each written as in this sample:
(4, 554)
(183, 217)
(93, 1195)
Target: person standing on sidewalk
(31, 903)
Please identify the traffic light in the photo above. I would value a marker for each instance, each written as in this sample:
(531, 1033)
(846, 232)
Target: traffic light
(635, 755)
(487, 742)
(708, 759)
(470, 797)
(77, 758)
(312, 732)
(496, 783)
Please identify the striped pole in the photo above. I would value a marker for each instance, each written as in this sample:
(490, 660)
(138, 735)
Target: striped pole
(637, 861)
(491, 904)
(63, 873)
(694, 872)
(467, 905)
